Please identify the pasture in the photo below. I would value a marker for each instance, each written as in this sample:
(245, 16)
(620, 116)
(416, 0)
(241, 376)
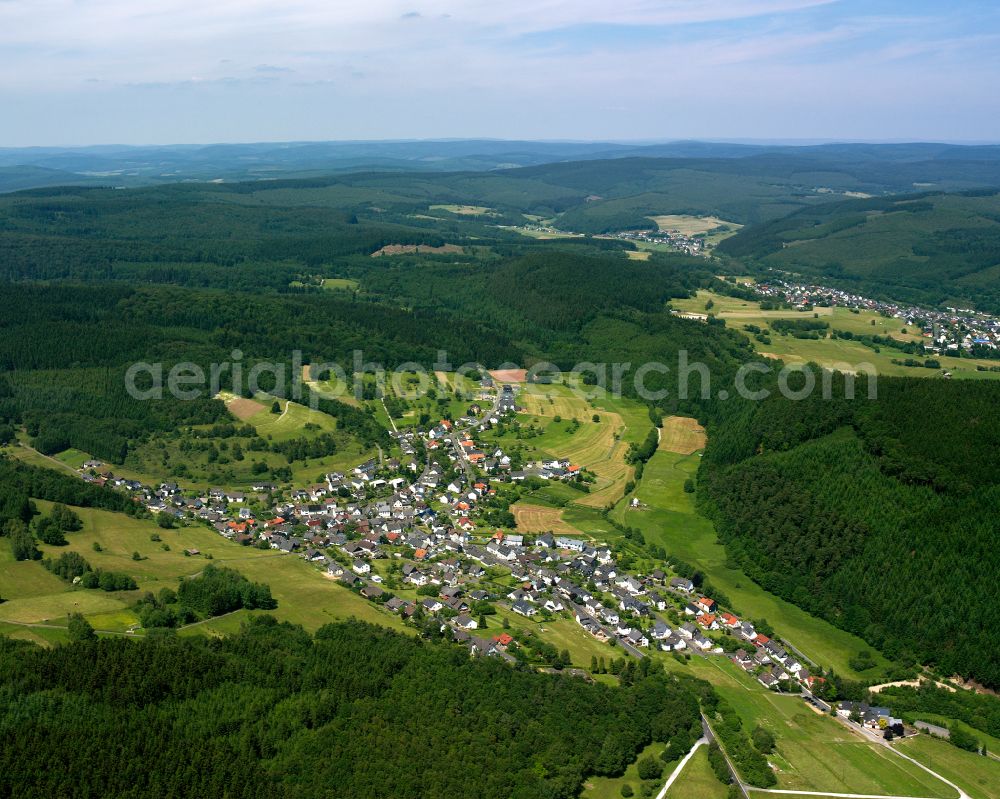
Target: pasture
(977, 775)
(305, 595)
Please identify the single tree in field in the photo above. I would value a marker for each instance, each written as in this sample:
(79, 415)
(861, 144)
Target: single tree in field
(275, 407)
(649, 768)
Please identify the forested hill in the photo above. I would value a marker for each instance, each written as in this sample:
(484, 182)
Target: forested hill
(936, 249)
(67, 358)
(877, 515)
(273, 712)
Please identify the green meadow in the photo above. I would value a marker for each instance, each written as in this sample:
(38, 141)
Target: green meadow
(697, 780)
(977, 775)
(815, 752)
(305, 595)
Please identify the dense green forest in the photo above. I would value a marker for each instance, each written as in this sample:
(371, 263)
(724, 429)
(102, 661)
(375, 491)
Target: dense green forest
(355, 711)
(878, 515)
(875, 515)
(927, 248)
(67, 360)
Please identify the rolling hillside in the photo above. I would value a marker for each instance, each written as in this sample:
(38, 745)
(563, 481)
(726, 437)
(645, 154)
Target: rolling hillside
(932, 248)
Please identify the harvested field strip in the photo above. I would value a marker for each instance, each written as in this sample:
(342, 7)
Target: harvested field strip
(682, 435)
(539, 519)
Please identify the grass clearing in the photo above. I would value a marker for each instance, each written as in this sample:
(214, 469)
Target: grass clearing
(697, 780)
(682, 434)
(340, 284)
(294, 421)
(638, 255)
(977, 775)
(610, 787)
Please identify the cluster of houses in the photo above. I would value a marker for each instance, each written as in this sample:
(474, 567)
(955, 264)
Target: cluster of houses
(424, 516)
(947, 331)
(871, 716)
(682, 242)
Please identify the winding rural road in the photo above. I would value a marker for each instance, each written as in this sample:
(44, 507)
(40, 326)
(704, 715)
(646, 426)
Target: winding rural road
(680, 767)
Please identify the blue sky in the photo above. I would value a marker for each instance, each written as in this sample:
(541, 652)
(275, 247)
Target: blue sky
(165, 71)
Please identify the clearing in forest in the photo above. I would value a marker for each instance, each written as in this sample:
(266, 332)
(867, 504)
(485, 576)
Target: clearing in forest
(692, 225)
(400, 249)
(682, 435)
(243, 408)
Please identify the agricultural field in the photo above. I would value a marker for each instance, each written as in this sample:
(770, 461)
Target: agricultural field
(815, 752)
(670, 519)
(829, 352)
(465, 210)
(401, 249)
(710, 228)
(565, 421)
(977, 775)
(682, 435)
(540, 519)
(691, 225)
(546, 234)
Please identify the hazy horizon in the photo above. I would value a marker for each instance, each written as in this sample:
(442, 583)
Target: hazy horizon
(249, 71)
(763, 142)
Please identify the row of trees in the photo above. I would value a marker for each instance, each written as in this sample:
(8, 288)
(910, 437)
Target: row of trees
(71, 565)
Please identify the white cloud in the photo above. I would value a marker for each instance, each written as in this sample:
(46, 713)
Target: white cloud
(391, 68)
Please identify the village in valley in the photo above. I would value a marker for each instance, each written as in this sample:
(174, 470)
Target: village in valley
(947, 331)
(417, 536)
